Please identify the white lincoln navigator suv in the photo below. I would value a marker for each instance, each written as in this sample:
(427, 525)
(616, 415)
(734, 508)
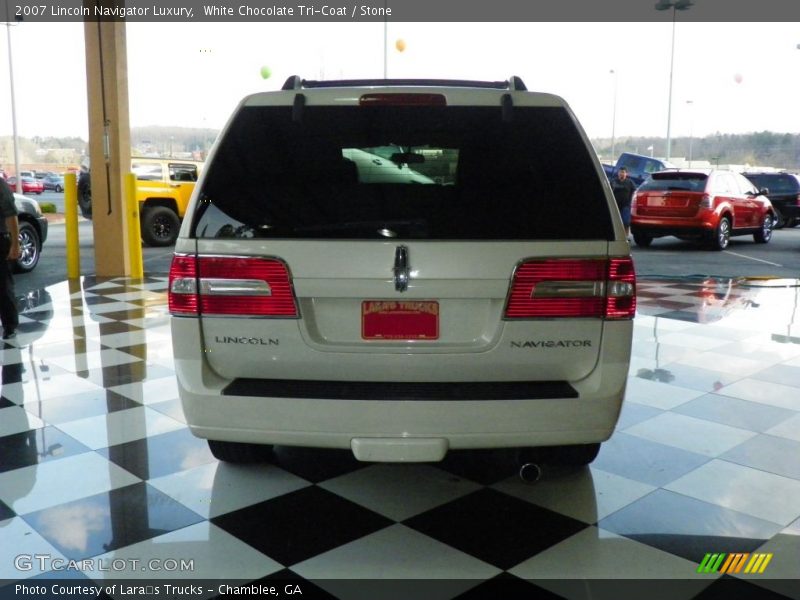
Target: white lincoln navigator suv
(401, 268)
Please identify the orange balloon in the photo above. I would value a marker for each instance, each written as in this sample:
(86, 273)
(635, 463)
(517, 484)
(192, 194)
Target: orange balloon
(400, 45)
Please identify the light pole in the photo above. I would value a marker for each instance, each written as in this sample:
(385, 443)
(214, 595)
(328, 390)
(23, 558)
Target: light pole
(690, 104)
(18, 179)
(675, 5)
(614, 117)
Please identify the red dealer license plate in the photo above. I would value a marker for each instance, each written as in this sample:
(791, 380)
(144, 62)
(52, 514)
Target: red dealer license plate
(400, 320)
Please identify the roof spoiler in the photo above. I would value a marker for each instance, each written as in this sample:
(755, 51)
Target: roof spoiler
(513, 83)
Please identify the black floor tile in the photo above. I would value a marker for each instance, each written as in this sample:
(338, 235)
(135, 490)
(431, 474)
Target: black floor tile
(495, 528)
(160, 454)
(36, 446)
(645, 461)
(730, 588)
(297, 526)
(688, 527)
(6, 512)
(482, 466)
(286, 578)
(112, 520)
(508, 587)
(316, 464)
(768, 453)
(734, 412)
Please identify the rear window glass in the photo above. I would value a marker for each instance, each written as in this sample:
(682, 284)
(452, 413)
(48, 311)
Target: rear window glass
(686, 182)
(777, 184)
(405, 172)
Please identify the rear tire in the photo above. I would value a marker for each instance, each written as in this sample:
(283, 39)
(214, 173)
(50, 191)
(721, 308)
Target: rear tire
(722, 234)
(236, 452)
(160, 226)
(764, 235)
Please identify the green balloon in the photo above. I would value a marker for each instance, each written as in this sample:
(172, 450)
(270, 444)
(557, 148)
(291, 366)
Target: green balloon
(265, 72)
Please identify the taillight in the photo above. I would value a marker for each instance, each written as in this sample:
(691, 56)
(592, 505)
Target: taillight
(705, 201)
(182, 291)
(564, 288)
(621, 289)
(230, 285)
(797, 200)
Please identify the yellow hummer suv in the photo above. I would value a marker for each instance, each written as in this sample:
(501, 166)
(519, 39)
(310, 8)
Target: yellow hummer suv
(163, 189)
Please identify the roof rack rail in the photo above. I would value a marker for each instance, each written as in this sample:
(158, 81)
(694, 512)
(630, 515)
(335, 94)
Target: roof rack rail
(295, 82)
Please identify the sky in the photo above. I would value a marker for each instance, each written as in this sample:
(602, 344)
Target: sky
(727, 77)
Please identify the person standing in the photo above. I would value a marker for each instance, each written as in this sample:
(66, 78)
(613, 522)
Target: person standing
(623, 189)
(9, 251)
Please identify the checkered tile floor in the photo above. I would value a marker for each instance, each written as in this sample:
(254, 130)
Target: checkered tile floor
(96, 463)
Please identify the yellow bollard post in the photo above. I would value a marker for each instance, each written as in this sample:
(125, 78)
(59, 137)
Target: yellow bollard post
(134, 228)
(71, 225)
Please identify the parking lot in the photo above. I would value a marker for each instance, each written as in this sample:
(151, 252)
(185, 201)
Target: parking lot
(667, 256)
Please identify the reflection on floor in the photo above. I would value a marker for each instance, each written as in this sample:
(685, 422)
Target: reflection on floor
(96, 463)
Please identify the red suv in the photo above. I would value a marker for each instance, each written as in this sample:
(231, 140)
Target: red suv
(706, 204)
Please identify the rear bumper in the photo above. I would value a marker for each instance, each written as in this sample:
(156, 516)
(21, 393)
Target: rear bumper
(688, 227)
(418, 429)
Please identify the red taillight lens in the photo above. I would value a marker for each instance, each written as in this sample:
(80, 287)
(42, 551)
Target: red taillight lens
(705, 201)
(563, 288)
(182, 294)
(621, 289)
(230, 285)
(402, 100)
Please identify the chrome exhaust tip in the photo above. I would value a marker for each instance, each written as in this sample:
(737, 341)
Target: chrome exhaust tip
(530, 472)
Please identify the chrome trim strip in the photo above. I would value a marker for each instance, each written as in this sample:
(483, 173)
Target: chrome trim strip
(569, 289)
(234, 287)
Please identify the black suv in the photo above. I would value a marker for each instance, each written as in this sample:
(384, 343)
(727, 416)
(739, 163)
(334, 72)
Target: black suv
(783, 190)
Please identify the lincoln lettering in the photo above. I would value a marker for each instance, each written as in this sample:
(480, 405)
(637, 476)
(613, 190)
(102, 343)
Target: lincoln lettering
(227, 339)
(553, 344)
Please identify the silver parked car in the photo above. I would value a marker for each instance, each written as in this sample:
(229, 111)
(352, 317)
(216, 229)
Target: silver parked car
(402, 268)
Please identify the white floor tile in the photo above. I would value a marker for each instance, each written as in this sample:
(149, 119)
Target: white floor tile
(93, 360)
(152, 390)
(774, 394)
(217, 488)
(724, 363)
(689, 433)
(400, 491)
(396, 552)
(20, 545)
(696, 342)
(55, 482)
(763, 495)
(586, 494)
(594, 553)
(119, 427)
(657, 394)
(789, 429)
(211, 550)
(16, 419)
